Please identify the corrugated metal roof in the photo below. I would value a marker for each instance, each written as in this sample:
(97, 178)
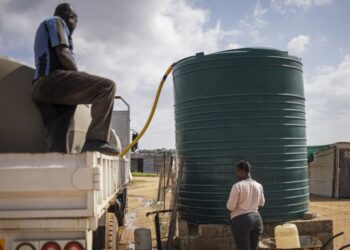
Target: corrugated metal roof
(311, 150)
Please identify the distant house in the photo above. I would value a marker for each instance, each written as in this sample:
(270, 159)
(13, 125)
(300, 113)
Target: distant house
(151, 161)
(329, 170)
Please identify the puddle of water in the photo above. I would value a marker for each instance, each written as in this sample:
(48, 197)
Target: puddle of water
(131, 215)
(130, 218)
(144, 201)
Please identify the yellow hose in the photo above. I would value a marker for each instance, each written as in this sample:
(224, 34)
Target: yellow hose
(155, 102)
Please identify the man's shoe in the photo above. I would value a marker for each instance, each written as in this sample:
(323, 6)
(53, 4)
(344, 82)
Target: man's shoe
(100, 146)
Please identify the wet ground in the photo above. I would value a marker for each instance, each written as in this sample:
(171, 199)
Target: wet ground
(142, 198)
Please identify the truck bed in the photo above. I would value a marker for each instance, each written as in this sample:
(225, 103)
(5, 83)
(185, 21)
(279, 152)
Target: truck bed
(55, 185)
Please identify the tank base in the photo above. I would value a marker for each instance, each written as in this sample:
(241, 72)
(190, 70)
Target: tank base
(219, 237)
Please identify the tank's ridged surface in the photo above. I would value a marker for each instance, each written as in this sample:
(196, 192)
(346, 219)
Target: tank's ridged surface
(241, 104)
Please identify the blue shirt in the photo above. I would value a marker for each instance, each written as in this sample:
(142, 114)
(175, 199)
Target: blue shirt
(50, 33)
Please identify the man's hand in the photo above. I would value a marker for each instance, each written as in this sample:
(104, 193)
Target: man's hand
(65, 57)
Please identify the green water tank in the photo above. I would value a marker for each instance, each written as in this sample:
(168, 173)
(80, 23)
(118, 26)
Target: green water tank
(241, 104)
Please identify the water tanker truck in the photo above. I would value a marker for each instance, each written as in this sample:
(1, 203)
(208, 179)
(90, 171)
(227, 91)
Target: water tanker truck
(56, 200)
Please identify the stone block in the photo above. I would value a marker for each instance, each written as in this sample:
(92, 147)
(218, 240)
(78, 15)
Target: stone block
(309, 216)
(210, 243)
(305, 227)
(316, 226)
(329, 226)
(269, 229)
(311, 227)
(227, 233)
(184, 243)
(192, 229)
(221, 244)
(232, 244)
(183, 228)
(324, 237)
(211, 230)
(197, 243)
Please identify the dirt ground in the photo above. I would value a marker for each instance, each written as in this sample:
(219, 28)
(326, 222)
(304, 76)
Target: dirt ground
(142, 198)
(338, 211)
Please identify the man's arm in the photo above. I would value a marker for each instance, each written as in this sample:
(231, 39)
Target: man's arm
(65, 57)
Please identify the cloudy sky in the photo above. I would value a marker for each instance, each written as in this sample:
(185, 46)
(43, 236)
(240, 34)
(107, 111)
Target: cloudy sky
(133, 42)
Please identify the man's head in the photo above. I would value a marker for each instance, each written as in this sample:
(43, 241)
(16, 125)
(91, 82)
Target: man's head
(243, 169)
(67, 13)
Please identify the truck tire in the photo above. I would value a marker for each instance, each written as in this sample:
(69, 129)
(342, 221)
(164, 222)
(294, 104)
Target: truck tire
(111, 232)
(121, 218)
(119, 208)
(121, 214)
(107, 237)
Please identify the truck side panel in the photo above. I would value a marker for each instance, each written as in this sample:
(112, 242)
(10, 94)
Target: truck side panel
(59, 185)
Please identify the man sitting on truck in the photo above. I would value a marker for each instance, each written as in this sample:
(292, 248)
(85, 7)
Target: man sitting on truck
(58, 81)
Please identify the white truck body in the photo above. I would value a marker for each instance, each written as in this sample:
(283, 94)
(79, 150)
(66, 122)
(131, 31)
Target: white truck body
(53, 196)
(56, 197)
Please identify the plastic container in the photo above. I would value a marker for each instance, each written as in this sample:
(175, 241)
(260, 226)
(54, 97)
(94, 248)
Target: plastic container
(143, 239)
(287, 236)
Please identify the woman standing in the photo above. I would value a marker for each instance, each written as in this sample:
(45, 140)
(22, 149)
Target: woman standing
(245, 198)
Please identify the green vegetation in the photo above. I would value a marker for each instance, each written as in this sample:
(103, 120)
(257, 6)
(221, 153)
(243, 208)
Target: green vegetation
(140, 174)
(135, 182)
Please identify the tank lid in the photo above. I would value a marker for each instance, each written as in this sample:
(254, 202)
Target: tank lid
(242, 52)
(255, 51)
